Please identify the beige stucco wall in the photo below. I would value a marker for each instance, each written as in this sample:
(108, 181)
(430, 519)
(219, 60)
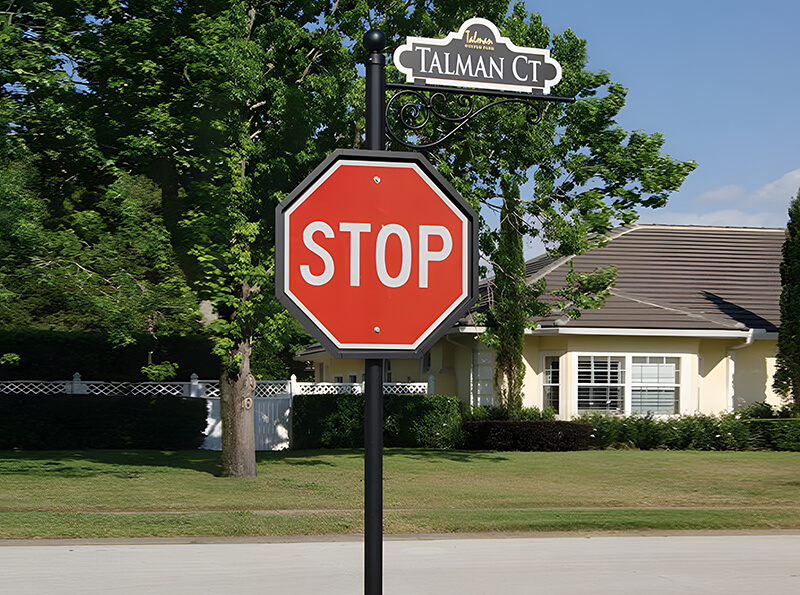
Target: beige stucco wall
(715, 388)
(716, 376)
(754, 369)
(707, 384)
(403, 370)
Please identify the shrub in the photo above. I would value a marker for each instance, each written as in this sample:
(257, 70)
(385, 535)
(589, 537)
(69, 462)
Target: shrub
(57, 422)
(607, 430)
(646, 432)
(762, 410)
(492, 412)
(527, 435)
(710, 432)
(482, 412)
(774, 434)
(337, 421)
(786, 435)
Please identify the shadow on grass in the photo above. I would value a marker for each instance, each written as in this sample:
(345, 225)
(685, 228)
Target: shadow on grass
(311, 457)
(124, 463)
(119, 463)
(459, 456)
(307, 458)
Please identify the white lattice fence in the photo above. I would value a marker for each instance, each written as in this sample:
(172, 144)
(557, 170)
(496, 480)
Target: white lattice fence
(405, 388)
(208, 389)
(33, 387)
(147, 389)
(272, 406)
(158, 389)
(272, 388)
(329, 388)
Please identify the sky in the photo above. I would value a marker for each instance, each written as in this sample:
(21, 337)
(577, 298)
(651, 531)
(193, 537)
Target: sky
(720, 79)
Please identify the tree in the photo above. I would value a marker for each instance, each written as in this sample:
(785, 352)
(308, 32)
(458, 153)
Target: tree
(586, 175)
(227, 104)
(787, 363)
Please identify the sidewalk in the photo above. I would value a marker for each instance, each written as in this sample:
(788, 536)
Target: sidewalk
(414, 565)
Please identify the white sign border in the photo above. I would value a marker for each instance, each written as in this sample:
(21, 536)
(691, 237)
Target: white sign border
(408, 46)
(465, 255)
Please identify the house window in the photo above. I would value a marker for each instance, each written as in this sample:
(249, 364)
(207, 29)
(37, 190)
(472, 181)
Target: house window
(338, 378)
(387, 370)
(425, 364)
(629, 384)
(601, 383)
(551, 382)
(655, 385)
(353, 378)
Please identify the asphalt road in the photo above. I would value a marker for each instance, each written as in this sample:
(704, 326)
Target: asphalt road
(678, 563)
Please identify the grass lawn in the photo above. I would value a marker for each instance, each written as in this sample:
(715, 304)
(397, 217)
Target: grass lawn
(151, 493)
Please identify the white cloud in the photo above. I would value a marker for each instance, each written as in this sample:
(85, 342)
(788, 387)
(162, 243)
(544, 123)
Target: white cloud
(726, 194)
(719, 218)
(781, 191)
(766, 206)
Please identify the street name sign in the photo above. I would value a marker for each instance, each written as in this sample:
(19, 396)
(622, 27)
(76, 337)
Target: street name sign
(477, 57)
(376, 254)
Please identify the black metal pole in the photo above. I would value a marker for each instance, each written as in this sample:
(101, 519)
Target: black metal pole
(375, 42)
(373, 478)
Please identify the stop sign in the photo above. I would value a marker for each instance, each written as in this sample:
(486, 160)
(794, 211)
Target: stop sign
(376, 254)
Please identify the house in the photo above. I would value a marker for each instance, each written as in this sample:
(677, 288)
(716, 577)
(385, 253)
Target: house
(690, 326)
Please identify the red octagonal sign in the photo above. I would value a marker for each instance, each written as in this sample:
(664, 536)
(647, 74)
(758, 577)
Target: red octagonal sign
(376, 254)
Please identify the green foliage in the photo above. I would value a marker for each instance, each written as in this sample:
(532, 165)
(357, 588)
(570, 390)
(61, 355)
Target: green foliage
(273, 352)
(225, 106)
(57, 355)
(9, 359)
(696, 432)
(787, 363)
(337, 421)
(587, 174)
(585, 291)
(160, 372)
(495, 413)
(761, 410)
(512, 304)
(527, 435)
(774, 434)
(102, 263)
(56, 422)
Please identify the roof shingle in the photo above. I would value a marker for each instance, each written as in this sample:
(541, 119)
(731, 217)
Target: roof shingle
(679, 277)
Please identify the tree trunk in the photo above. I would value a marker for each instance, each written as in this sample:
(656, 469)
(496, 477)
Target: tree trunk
(236, 394)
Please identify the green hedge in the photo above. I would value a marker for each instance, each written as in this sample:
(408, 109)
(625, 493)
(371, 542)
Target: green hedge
(774, 434)
(495, 413)
(56, 422)
(57, 355)
(695, 432)
(337, 421)
(540, 435)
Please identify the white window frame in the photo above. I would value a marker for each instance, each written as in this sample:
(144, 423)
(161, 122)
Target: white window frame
(601, 365)
(670, 383)
(545, 382)
(627, 383)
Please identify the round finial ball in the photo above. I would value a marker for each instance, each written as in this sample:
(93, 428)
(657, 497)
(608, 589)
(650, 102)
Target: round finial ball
(375, 40)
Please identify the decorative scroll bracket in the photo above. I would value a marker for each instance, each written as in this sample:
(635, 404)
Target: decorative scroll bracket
(427, 104)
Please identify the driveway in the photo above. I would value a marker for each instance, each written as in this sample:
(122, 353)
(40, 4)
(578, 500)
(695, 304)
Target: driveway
(463, 565)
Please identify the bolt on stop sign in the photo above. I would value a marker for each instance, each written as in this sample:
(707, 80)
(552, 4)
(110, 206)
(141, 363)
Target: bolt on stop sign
(376, 254)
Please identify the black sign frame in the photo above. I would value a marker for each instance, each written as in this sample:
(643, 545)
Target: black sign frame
(477, 57)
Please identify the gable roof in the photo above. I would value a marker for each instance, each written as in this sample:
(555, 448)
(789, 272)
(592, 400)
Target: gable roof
(678, 277)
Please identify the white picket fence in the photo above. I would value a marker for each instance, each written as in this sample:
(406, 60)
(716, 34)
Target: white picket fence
(272, 405)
